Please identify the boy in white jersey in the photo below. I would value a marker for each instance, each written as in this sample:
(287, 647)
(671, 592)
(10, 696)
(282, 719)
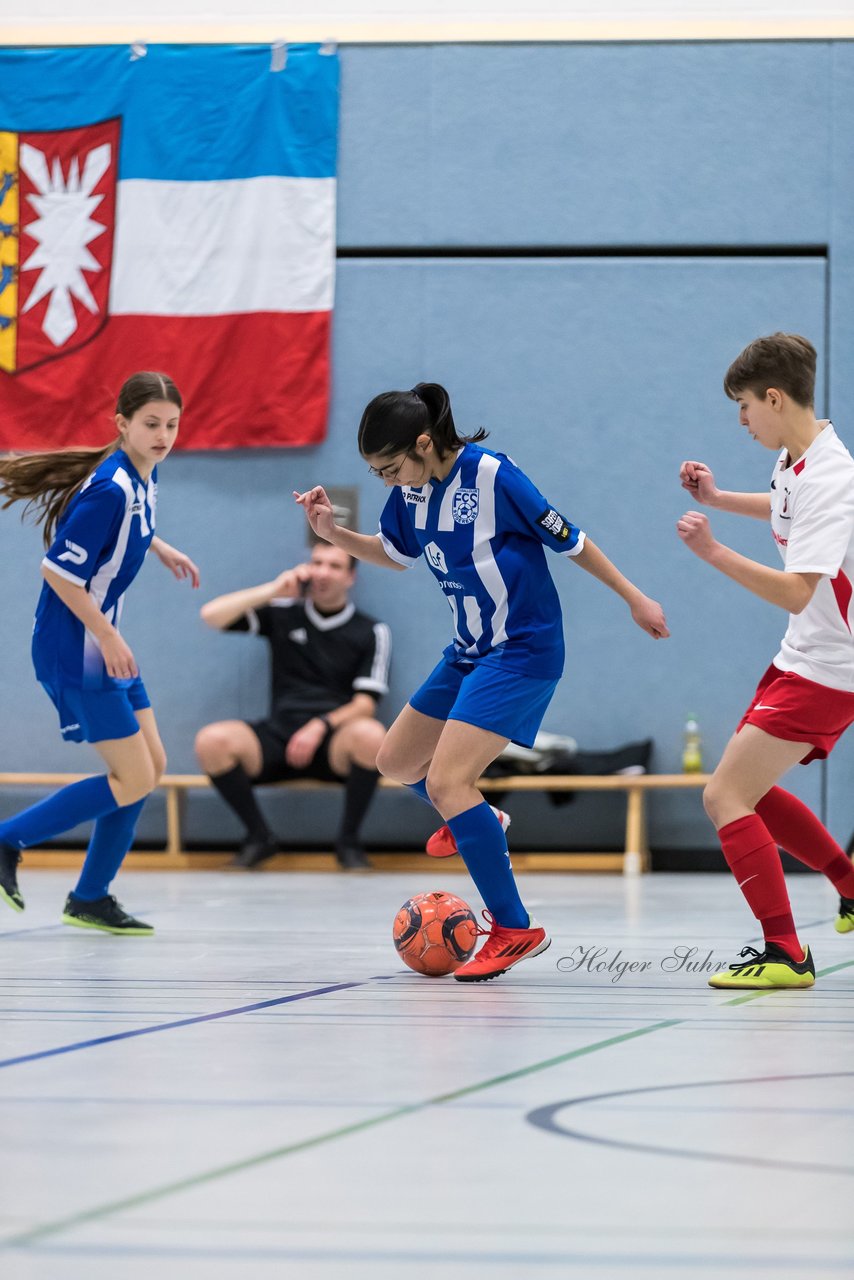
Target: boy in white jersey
(481, 526)
(805, 700)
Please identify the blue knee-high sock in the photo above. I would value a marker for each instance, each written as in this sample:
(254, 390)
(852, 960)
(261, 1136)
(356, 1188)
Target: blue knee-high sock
(420, 789)
(75, 803)
(483, 848)
(111, 839)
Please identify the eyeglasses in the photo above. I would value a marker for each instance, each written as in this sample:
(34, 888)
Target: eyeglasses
(388, 472)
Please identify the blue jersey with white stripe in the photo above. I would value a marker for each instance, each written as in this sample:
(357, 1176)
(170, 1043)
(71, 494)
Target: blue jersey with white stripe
(482, 531)
(100, 545)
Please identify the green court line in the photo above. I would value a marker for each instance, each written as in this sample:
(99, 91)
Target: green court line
(265, 1157)
(757, 995)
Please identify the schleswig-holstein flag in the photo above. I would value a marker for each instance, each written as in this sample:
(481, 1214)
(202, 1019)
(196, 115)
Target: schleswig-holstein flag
(168, 208)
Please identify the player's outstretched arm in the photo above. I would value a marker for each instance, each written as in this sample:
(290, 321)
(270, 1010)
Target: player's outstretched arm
(647, 613)
(698, 479)
(790, 591)
(363, 546)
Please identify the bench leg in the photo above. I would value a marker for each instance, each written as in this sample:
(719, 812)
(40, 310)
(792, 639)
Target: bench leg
(636, 853)
(174, 813)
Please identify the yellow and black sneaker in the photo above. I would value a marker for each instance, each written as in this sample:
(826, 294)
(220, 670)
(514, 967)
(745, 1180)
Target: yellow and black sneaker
(105, 914)
(770, 968)
(844, 922)
(9, 891)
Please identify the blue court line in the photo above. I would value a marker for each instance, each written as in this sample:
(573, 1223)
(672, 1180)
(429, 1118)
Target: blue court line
(181, 1022)
(546, 1118)
(21, 933)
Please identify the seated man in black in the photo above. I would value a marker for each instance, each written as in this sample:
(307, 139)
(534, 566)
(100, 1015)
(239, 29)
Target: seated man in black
(329, 669)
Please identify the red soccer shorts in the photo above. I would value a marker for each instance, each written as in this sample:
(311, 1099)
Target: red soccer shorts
(791, 707)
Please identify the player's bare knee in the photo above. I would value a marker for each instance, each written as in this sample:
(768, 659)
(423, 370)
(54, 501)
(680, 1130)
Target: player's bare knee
(388, 766)
(714, 799)
(440, 789)
(397, 770)
(134, 785)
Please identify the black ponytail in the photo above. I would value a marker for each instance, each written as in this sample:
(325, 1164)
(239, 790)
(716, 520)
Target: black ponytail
(394, 420)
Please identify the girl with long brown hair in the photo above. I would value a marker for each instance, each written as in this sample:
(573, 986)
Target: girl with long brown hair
(97, 507)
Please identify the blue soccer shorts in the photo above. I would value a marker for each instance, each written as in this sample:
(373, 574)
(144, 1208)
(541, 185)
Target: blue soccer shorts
(98, 715)
(488, 696)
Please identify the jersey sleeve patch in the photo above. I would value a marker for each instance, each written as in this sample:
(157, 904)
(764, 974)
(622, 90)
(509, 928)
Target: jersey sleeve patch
(552, 522)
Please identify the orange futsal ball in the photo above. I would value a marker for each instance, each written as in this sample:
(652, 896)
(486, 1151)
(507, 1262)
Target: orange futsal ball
(435, 933)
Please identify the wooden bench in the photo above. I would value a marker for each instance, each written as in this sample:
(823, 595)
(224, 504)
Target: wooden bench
(633, 858)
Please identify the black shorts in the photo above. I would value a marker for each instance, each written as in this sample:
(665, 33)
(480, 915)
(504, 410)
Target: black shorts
(274, 736)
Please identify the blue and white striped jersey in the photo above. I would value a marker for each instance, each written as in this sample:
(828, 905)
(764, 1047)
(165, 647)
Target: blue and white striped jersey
(100, 544)
(482, 531)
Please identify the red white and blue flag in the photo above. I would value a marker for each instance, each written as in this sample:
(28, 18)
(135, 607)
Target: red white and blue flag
(168, 208)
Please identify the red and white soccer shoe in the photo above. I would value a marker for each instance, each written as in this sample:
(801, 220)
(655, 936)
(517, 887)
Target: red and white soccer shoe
(503, 948)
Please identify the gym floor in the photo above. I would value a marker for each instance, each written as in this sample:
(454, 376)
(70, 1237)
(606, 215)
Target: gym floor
(263, 1089)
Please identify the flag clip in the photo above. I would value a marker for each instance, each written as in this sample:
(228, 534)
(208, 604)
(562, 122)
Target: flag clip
(329, 47)
(138, 49)
(278, 55)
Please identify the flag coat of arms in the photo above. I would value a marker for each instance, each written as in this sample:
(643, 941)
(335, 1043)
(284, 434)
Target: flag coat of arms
(169, 208)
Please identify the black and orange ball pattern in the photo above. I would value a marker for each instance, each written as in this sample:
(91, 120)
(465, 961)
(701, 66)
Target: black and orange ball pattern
(434, 933)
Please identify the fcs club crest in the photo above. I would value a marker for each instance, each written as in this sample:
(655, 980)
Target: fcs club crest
(57, 223)
(465, 506)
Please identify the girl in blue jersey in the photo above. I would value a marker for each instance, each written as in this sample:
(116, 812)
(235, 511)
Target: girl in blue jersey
(98, 511)
(482, 526)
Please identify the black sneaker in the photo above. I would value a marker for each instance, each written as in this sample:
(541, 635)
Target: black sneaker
(105, 914)
(9, 891)
(351, 857)
(771, 968)
(254, 852)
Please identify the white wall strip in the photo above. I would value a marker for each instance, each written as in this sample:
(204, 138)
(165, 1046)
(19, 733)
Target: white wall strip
(826, 22)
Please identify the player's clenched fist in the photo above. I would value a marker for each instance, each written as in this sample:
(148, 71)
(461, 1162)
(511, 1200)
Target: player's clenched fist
(698, 479)
(695, 531)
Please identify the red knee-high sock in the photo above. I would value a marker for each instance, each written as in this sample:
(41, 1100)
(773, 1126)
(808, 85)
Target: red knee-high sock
(797, 830)
(754, 861)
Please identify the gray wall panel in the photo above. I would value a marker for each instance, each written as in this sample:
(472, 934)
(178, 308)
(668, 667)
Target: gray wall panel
(585, 144)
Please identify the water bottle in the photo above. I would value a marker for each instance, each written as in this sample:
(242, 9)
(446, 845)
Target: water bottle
(692, 755)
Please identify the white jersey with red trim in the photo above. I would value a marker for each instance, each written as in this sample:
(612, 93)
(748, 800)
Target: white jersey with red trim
(812, 519)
